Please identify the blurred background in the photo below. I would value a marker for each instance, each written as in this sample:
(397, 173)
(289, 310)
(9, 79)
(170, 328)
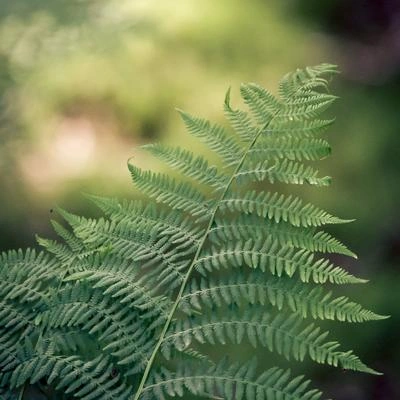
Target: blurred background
(82, 83)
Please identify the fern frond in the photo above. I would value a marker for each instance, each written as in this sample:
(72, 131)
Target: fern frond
(282, 171)
(23, 293)
(174, 224)
(225, 381)
(284, 334)
(240, 121)
(38, 265)
(67, 340)
(214, 136)
(305, 110)
(15, 286)
(268, 110)
(292, 148)
(195, 167)
(14, 318)
(66, 258)
(143, 246)
(263, 105)
(123, 306)
(74, 243)
(119, 330)
(279, 292)
(246, 226)
(94, 381)
(69, 252)
(117, 279)
(278, 207)
(180, 196)
(268, 255)
(307, 129)
(305, 82)
(9, 352)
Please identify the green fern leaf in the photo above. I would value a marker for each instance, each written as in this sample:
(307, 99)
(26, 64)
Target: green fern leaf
(126, 306)
(180, 196)
(285, 171)
(214, 136)
(279, 208)
(227, 380)
(284, 334)
(269, 256)
(190, 165)
(292, 148)
(246, 226)
(280, 293)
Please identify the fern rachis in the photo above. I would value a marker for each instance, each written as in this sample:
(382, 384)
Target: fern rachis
(122, 308)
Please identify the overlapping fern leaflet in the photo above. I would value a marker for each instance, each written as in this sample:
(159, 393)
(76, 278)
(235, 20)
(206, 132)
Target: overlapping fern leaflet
(123, 306)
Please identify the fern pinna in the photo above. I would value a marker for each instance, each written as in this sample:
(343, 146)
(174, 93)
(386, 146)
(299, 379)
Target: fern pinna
(122, 307)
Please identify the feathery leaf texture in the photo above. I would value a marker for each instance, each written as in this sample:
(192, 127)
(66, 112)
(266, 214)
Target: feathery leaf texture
(228, 381)
(127, 306)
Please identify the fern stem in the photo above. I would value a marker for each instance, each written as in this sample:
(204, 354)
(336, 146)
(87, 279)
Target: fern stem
(194, 261)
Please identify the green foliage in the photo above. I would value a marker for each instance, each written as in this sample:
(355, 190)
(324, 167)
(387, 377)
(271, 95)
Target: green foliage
(123, 306)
